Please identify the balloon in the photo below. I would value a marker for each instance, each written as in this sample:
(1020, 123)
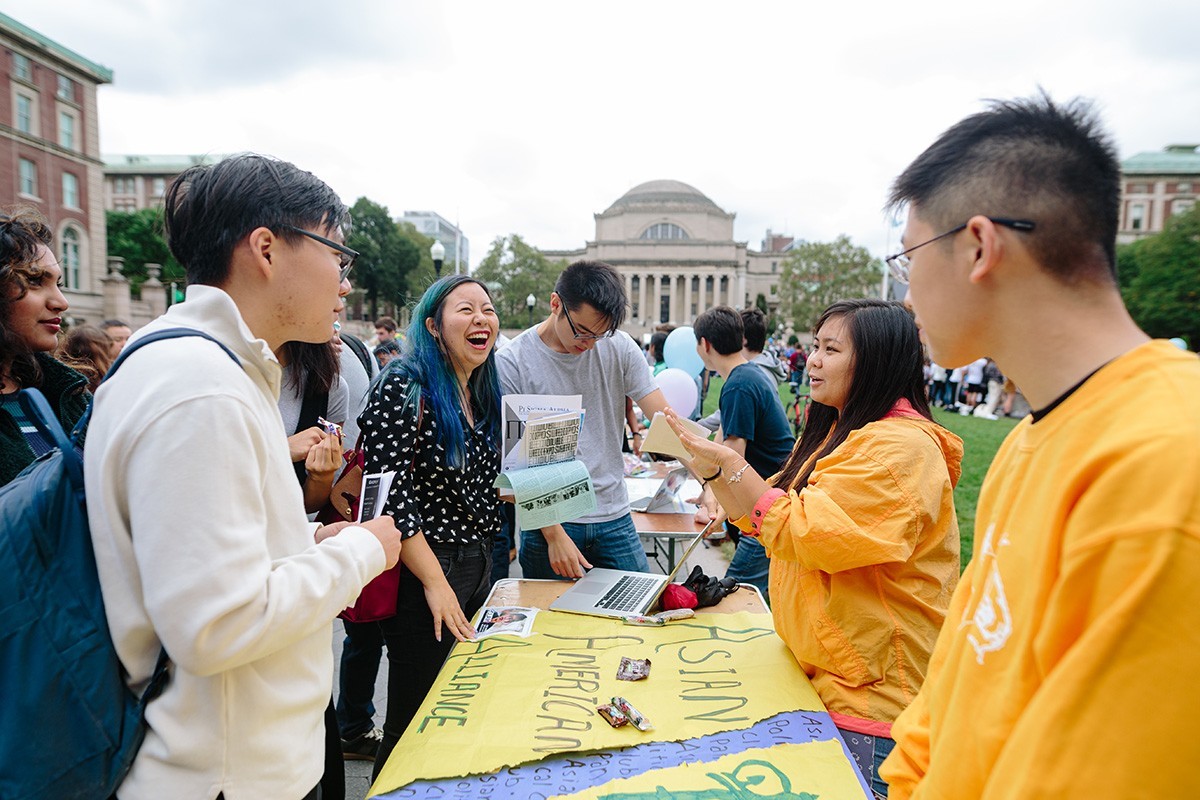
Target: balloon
(679, 389)
(679, 351)
(1180, 343)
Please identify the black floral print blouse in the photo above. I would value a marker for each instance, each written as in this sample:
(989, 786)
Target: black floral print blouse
(451, 505)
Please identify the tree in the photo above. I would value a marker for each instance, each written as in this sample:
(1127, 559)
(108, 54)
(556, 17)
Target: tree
(1160, 279)
(815, 274)
(138, 238)
(513, 270)
(385, 255)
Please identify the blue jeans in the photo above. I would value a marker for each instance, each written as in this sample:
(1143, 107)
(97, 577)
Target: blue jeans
(869, 753)
(361, 651)
(613, 544)
(504, 542)
(750, 564)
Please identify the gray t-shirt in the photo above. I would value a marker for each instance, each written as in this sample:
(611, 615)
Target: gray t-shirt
(604, 376)
(290, 401)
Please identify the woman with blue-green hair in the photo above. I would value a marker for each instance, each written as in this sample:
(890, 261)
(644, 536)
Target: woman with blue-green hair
(433, 418)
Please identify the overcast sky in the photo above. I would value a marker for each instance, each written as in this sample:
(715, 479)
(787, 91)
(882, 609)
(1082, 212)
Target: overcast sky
(530, 117)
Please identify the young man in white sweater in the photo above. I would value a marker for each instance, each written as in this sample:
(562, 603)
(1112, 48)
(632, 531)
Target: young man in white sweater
(201, 541)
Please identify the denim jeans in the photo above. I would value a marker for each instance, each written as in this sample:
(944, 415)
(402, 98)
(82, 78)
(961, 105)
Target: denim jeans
(504, 542)
(750, 564)
(414, 656)
(869, 753)
(361, 650)
(613, 544)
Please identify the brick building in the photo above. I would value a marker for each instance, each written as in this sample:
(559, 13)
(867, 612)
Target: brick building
(134, 182)
(1156, 186)
(50, 135)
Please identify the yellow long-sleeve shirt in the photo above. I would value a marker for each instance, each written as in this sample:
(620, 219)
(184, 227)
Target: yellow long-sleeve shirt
(1068, 662)
(864, 559)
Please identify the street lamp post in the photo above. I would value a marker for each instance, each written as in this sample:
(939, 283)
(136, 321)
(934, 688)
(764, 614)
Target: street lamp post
(439, 254)
(530, 302)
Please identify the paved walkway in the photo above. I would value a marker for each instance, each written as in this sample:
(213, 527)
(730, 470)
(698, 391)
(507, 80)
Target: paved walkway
(713, 557)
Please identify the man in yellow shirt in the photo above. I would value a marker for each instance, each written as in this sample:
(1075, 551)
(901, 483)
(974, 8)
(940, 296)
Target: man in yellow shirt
(1066, 664)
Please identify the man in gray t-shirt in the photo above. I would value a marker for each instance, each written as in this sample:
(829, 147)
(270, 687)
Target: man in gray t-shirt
(578, 349)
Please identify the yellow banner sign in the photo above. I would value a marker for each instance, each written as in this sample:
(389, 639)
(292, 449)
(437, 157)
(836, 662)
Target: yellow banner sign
(508, 700)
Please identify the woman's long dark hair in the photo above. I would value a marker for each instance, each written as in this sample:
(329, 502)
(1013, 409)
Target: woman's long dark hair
(22, 231)
(426, 364)
(888, 366)
(313, 368)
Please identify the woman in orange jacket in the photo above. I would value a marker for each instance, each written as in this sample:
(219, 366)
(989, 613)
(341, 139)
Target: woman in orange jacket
(859, 523)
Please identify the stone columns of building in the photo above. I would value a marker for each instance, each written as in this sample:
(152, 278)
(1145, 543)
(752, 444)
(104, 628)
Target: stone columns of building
(642, 279)
(153, 291)
(116, 291)
(686, 316)
(629, 288)
(651, 312)
(674, 316)
(741, 289)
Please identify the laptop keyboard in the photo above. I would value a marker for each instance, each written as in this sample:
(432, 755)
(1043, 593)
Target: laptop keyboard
(627, 594)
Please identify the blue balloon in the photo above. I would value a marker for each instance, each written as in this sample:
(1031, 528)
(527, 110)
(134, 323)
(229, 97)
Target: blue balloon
(679, 351)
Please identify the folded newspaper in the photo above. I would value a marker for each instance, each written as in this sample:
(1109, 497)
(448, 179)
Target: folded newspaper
(539, 470)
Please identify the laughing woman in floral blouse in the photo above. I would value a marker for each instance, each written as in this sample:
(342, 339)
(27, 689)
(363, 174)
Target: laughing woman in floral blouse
(434, 419)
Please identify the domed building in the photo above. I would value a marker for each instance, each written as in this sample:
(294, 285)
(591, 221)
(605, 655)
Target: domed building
(675, 248)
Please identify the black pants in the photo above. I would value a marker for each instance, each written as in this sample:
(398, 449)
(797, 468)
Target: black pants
(414, 656)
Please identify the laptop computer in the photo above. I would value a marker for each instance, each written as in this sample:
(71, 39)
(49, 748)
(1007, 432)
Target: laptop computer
(666, 499)
(620, 593)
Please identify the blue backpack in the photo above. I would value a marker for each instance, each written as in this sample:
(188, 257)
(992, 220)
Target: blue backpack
(69, 726)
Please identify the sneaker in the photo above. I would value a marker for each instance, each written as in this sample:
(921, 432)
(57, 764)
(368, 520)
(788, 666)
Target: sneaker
(362, 747)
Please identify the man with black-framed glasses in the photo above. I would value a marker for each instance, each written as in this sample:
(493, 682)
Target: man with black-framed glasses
(1066, 663)
(202, 545)
(580, 349)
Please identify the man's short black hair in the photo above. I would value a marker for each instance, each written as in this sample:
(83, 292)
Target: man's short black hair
(1028, 159)
(657, 341)
(722, 327)
(754, 329)
(597, 284)
(114, 323)
(211, 208)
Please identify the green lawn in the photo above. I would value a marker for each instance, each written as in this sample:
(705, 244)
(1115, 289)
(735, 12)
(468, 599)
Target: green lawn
(981, 439)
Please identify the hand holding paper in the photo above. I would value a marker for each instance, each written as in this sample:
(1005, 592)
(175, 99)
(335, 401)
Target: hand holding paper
(664, 438)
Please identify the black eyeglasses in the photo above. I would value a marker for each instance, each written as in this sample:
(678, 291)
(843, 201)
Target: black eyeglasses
(584, 337)
(346, 255)
(900, 264)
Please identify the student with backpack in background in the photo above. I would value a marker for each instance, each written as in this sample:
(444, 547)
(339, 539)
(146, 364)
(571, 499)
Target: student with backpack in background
(31, 309)
(197, 520)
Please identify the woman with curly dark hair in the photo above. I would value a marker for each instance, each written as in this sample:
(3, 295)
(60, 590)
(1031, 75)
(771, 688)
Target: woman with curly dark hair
(31, 309)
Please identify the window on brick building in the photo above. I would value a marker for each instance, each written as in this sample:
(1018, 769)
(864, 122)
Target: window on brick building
(1182, 206)
(27, 178)
(1137, 217)
(21, 68)
(25, 114)
(66, 130)
(69, 258)
(70, 190)
(66, 88)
